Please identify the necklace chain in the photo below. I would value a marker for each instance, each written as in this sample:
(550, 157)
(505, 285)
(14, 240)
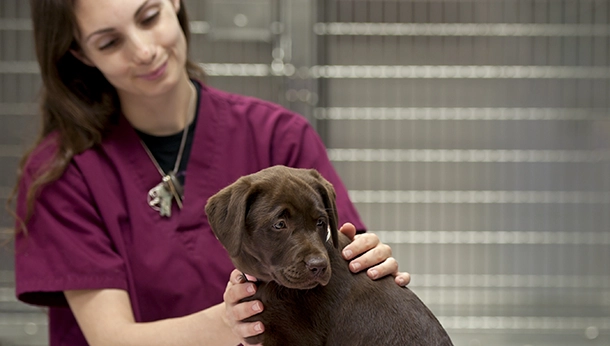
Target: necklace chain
(178, 158)
(160, 196)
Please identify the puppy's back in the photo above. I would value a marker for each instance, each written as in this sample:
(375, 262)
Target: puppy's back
(379, 312)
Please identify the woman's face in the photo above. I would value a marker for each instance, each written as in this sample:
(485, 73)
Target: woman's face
(138, 45)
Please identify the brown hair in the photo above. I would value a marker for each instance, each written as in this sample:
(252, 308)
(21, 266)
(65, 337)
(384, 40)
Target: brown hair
(76, 100)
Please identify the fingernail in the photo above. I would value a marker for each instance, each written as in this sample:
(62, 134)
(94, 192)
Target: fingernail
(250, 289)
(401, 281)
(347, 254)
(373, 273)
(258, 327)
(355, 266)
(256, 307)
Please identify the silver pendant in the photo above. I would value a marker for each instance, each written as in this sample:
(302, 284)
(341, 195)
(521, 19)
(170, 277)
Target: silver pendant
(160, 198)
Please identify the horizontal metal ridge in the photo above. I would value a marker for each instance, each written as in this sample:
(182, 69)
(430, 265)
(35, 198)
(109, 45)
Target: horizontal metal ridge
(462, 29)
(479, 197)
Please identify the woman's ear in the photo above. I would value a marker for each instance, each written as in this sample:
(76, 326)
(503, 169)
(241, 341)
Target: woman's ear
(77, 53)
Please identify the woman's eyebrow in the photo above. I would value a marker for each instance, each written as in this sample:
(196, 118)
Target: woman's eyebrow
(140, 8)
(105, 30)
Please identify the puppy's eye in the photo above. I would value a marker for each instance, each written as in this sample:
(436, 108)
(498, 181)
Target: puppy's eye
(279, 225)
(321, 223)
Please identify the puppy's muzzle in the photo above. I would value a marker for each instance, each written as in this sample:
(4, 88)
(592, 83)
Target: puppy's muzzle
(317, 265)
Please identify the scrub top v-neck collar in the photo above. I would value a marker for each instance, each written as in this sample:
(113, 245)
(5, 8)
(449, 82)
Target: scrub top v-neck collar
(196, 188)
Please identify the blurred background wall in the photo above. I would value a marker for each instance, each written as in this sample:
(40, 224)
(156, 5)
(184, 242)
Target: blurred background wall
(473, 136)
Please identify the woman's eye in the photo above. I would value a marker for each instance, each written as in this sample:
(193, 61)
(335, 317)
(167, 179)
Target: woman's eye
(151, 18)
(279, 225)
(107, 44)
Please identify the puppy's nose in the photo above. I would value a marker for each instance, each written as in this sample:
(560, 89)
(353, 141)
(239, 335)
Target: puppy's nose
(317, 265)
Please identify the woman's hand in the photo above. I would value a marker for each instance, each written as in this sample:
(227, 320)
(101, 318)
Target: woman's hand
(376, 256)
(237, 289)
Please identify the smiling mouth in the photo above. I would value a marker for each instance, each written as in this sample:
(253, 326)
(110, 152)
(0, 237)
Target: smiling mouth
(156, 73)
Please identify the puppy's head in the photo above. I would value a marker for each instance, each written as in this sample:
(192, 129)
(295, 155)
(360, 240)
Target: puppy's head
(276, 224)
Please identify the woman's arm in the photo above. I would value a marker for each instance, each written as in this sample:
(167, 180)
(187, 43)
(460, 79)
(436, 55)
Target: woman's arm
(105, 317)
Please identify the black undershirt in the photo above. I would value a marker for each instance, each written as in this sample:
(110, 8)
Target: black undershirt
(165, 148)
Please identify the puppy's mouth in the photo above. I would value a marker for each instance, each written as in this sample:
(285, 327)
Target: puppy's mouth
(301, 280)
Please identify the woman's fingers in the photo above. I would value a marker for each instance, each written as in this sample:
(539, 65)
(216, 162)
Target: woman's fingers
(245, 330)
(241, 311)
(236, 292)
(349, 230)
(402, 278)
(237, 289)
(370, 254)
(387, 267)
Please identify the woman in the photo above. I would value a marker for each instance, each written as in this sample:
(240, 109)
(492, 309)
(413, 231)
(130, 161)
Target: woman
(111, 233)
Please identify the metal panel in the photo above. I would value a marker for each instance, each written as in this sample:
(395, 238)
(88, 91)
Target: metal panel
(473, 136)
(240, 20)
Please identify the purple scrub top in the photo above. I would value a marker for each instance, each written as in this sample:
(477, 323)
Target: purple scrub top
(93, 229)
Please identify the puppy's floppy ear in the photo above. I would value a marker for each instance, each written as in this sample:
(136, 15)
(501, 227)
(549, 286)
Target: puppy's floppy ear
(227, 211)
(327, 192)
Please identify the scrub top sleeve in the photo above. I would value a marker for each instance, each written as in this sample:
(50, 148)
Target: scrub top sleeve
(65, 246)
(299, 145)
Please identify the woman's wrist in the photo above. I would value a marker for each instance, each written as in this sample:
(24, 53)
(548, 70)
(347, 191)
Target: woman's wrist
(217, 319)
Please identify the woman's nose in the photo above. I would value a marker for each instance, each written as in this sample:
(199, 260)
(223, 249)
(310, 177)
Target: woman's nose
(143, 48)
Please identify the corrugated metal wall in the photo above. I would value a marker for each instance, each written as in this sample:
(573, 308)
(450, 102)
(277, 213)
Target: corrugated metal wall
(474, 137)
(19, 85)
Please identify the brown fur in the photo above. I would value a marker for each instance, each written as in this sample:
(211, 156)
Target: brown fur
(275, 225)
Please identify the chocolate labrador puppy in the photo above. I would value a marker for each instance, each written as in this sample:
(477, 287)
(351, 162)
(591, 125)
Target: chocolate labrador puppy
(280, 225)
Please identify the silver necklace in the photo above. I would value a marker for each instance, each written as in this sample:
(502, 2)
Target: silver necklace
(161, 195)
